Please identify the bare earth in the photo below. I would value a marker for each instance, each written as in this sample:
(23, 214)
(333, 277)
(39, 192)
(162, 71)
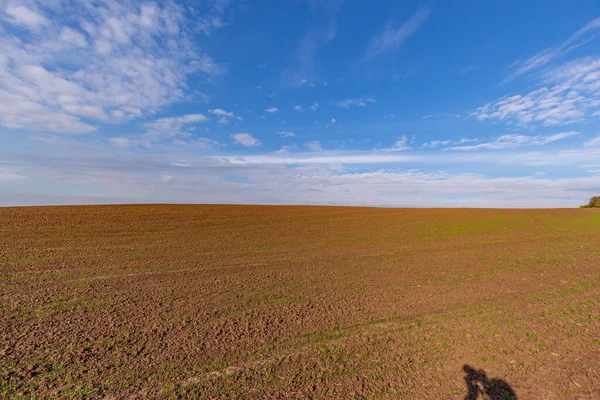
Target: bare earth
(186, 301)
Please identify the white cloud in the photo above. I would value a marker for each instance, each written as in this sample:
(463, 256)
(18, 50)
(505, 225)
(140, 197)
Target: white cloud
(20, 113)
(359, 102)
(226, 116)
(210, 24)
(21, 15)
(297, 108)
(593, 142)
(436, 143)
(118, 59)
(222, 113)
(401, 144)
(514, 141)
(314, 107)
(286, 133)
(465, 140)
(577, 39)
(568, 94)
(392, 38)
(245, 139)
(333, 120)
(315, 145)
(72, 37)
(120, 141)
(311, 177)
(272, 110)
(203, 143)
(169, 129)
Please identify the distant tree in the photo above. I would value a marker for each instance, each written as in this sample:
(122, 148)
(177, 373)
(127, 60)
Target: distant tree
(594, 203)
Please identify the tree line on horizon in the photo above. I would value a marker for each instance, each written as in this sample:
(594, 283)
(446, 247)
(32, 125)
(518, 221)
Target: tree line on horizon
(594, 203)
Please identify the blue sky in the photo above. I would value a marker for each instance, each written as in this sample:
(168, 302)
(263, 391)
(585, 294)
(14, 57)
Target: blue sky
(449, 104)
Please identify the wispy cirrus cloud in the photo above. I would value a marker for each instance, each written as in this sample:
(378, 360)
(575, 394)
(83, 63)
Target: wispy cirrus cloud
(392, 38)
(580, 37)
(468, 69)
(303, 65)
(514, 141)
(301, 70)
(593, 142)
(435, 143)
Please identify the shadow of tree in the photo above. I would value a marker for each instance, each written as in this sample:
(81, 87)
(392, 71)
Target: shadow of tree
(480, 387)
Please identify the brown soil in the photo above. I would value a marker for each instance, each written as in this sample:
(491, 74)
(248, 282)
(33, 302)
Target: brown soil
(186, 301)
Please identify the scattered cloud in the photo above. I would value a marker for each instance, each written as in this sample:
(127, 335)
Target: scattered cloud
(212, 16)
(333, 120)
(286, 133)
(21, 15)
(226, 116)
(171, 128)
(116, 64)
(514, 141)
(245, 139)
(297, 108)
(314, 107)
(358, 102)
(392, 38)
(222, 113)
(272, 110)
(569, 93)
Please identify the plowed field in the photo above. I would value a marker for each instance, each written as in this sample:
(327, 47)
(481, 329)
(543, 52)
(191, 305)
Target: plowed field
(207, 301)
